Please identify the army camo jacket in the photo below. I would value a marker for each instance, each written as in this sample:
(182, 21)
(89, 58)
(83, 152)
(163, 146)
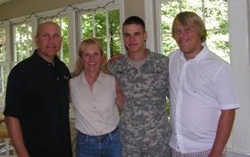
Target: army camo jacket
(145, 90)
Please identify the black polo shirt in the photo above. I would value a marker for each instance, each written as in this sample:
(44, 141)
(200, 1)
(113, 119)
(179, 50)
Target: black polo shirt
(38, 95)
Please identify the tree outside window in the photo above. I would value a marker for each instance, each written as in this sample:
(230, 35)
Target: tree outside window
(22, 41)
(3, 65)
(104, 25)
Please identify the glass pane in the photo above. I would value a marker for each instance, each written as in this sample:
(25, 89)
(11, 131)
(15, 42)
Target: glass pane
(3, 78)
(168, 44)
(86, 26)
(100, 24)
(218, 42)
(168, 12)
(114, 23)
(2, 44)
(115, 45)
(23, 41)
(95, 25)
(216, 17)
(4, 71)
(195, 6)
(65, 39)
(104, 44)
(64, 53)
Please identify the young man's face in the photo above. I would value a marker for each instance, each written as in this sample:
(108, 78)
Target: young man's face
(187, 38)
(48, 40)
(134, 37)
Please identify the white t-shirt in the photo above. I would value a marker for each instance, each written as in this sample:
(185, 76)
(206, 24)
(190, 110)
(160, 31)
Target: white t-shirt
(200, 89)
(95, 110)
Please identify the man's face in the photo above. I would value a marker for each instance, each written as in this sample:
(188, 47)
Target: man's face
(187, 38)
(48, 40)
(134, 37)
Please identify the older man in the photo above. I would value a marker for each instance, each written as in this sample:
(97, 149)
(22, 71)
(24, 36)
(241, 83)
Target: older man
(37, 100)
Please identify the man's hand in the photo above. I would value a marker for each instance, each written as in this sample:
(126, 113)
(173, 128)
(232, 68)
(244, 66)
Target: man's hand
(115, 58)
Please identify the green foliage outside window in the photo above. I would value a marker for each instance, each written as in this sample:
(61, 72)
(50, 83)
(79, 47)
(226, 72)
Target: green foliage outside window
(64, 52)
(115, 31)
(2, 45)
(104, 25)
(3, 65)
(23, 41)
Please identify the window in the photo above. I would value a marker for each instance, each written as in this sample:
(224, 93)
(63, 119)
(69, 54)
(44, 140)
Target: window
(2, 44)
(104, 25)
(3, 65)
(22, 41)
(213, 12)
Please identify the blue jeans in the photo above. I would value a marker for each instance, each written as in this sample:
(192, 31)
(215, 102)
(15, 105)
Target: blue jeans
(108, 145)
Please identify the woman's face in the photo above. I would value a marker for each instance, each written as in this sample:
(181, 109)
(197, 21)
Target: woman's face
(91, 58)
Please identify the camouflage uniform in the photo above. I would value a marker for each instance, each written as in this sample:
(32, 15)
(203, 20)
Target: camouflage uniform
(144, 126)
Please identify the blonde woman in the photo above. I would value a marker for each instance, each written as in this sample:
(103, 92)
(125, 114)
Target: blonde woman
(95, 99)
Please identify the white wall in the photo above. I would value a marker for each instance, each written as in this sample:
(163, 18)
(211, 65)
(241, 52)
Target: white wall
(239, 144)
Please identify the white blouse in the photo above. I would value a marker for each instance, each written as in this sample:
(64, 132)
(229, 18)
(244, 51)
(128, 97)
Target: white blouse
(95, 110)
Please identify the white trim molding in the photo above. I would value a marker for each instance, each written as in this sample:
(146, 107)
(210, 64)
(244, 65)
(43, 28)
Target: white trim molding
(149, 22)
(239, 30)
(236, 154)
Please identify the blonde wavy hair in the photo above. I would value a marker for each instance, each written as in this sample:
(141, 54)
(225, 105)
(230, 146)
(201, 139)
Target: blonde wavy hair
(188, 18)
(78, 66)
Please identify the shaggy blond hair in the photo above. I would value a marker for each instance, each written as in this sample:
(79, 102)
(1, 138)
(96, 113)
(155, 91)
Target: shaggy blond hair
(191, 19)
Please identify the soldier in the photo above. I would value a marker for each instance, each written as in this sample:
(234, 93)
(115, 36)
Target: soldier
(143, 77)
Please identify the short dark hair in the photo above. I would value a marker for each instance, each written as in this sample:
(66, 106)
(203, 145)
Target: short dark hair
(134, 20)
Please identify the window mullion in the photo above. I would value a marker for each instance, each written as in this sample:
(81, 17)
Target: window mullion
(108, 35)
(93, 24)
(61, 50)
(15, 44)
(180, 5)
(203, 10)
(27, 38)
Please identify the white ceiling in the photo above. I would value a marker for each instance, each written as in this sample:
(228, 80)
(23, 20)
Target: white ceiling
(3, 1)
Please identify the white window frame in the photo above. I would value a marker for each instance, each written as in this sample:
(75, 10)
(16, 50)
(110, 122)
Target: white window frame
(150, 25)
(6, 25)
(158, 23)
